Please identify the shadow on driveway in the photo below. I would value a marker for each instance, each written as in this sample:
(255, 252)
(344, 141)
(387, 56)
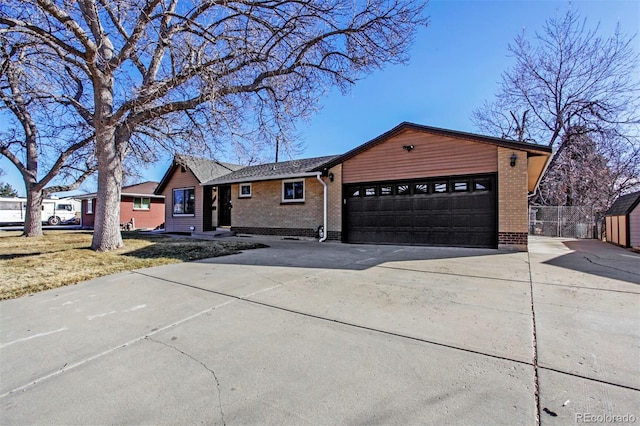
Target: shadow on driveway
(357, 257)
(601, 259)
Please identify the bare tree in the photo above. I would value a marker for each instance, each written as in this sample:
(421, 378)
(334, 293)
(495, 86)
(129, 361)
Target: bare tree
(582, 175)
(52, 153)
(186, 72)
(569, 77)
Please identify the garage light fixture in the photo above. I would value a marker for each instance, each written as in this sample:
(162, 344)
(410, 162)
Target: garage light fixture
(408, 148)
(513, 159)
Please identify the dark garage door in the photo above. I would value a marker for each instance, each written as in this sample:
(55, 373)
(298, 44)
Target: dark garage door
(452, 211)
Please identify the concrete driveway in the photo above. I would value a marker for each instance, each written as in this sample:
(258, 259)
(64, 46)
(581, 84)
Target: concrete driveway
(309, 333)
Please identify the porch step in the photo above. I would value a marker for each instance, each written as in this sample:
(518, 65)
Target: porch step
(218, 233)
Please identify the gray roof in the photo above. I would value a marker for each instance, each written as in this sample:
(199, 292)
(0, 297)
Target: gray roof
(202, 168)
(143, 189)
(624, 205)
(281, 170)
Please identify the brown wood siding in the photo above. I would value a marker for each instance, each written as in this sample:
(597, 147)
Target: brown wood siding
(615, 236)
(622, 231)
(432, 156)
(634, 227)
(608, 228)
(182, 223)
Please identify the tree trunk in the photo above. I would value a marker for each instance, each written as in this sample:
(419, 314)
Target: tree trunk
(106, 227)
(33, 215)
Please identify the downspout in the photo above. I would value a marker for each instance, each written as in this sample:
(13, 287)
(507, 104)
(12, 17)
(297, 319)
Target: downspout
(324, 205)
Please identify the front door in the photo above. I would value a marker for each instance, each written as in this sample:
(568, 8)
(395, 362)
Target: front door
(224, 213)
(208, 206)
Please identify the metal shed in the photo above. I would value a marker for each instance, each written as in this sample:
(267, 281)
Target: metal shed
(623, 221)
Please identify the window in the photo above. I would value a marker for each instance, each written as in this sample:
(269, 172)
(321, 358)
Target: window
(369, 191)
(460, 186)
(9, 205)
(90, 206)
(482, 185)
(353, 191)
(245, 190)
(292, 191)
(64, 207)
(184, 201)
(421, 188)
(402, 189)
(385, 190)
(440, 187)
(140, 203)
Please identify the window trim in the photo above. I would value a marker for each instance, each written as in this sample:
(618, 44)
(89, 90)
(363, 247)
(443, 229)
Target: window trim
(381, 193)
(441, 182)
(369, 187)
(455, 182)
(486, 183)
(398, 191)
(294, 200)
(90, 205)
(421, 188)
(173, 203)
(352, 189)
(142, 203)
(240, 194)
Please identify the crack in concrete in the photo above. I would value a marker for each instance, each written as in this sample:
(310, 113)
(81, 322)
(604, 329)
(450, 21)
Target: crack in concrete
(213, 373)
(536, 382)
(609, 266)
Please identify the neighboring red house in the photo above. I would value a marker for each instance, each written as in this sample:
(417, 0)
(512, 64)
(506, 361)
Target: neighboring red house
(140, 208)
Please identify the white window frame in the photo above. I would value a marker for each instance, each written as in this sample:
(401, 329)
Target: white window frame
(173, 213)
(148, 205)
(295, 200)
(89, 205)
(240, 194)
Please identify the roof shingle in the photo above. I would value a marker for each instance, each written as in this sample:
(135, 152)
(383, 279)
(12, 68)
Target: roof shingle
(202, 168)
(281, 170)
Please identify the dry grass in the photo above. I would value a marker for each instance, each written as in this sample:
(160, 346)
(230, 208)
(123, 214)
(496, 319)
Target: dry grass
(59, 258)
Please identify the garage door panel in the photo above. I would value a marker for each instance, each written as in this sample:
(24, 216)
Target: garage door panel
(464, 218)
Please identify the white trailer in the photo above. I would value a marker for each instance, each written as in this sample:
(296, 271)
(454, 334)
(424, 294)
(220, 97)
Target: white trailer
(54, 211)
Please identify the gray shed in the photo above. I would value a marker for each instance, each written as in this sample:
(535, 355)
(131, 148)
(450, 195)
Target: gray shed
(623, 221)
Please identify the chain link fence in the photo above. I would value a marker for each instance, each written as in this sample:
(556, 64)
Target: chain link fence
(565, 221)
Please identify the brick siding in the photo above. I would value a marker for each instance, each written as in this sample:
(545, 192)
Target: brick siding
(512, 200)
(265, 209)
(334, 201)
(290, 232)
(143, 219)
(513, 240)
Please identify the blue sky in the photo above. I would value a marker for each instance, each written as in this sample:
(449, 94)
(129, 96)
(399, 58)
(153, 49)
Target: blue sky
(455, 65)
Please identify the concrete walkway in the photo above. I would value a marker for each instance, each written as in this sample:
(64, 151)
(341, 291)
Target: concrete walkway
(309, 333)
